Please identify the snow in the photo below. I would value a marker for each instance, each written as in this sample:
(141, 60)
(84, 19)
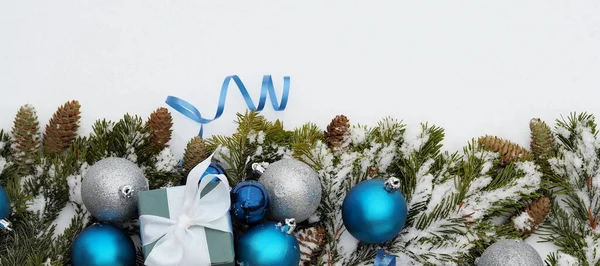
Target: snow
(63, 221)
(357, 135)
(347, 243)
(2, 145)
(37, 204)
(166, 161)
(523, 221)
(3, 164)
(314, 218)
(413, 141)
(566, 260)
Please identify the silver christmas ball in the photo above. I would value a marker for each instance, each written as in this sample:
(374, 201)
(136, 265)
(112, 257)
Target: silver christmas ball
(294, 190)
(109, 189)
(510, 252)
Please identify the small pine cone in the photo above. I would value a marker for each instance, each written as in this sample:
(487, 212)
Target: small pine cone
(26, 136)
(532, 216)
(337, 132)
(62, 128)
(160, 123)
(508, 151)
(542, 140)
(311, 241)
(195, 152)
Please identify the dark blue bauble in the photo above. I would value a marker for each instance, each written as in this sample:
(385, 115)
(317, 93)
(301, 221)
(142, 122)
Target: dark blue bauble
(213, 169)
(249, 202)
(373, 214)
(4, 204)
(267, 244)
(103, 245)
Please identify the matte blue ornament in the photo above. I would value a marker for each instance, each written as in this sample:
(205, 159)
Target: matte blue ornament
(4, 210)
(103, 245)
(213, 169)
(249, 202)
(269, 244)
(375, 211)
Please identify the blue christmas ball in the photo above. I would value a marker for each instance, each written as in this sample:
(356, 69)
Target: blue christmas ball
(372, 213)
(213, 169)
(4, 204)
(249, 202)
(103, 245)
(267, 244)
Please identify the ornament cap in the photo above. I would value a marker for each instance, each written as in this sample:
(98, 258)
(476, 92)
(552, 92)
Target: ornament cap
(392, 184)
(260, 168)
(127, 191)
(5, 225)
(290, 225)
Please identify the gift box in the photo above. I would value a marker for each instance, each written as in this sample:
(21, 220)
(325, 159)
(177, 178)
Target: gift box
(192, 220)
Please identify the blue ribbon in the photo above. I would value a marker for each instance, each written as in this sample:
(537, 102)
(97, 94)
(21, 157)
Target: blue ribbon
(383, 259)
(267, 90)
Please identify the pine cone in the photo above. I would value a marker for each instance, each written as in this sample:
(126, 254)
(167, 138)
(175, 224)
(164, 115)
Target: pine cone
(508, 151)
(26, 137)
(536, 214)
(62, 128)
(337, 132)
(195, 152)
(542, 140)
(311, 241)
(160, 123)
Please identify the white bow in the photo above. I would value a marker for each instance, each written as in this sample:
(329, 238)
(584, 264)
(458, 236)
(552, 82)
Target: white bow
(177, 244)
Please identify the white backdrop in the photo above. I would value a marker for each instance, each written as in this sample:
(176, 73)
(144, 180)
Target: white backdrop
(472, 67)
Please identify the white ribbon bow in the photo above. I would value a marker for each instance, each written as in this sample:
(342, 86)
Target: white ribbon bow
(177, 244)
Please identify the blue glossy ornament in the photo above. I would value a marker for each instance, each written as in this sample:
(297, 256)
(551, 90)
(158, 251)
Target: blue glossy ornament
(213, 169)
(4, 204)
(249, 202)
(375, 211)
(268, 244)
(103, 245)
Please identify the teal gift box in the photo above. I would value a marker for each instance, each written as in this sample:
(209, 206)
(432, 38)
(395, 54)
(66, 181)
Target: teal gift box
(167, 203)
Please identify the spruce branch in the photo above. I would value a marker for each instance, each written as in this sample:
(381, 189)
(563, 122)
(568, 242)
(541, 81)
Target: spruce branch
(62, 128)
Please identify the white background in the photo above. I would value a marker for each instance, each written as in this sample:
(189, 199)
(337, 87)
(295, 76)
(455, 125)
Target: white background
(472, 67)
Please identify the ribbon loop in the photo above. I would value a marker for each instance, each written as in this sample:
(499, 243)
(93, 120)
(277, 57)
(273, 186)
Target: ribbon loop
(383, 259)
(182, 240)
(267, 90)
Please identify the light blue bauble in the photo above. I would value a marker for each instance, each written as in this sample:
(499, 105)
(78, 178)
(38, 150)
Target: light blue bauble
(372, 213)
(103, 245)
(267, 244)
(4, 204)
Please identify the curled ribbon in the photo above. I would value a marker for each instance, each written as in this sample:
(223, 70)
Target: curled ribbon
(383, 259)
(267, 89)
(177, 244)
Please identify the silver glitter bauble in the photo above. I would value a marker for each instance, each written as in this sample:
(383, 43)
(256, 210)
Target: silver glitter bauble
(510, 252)
(294, 190)
(110, 187)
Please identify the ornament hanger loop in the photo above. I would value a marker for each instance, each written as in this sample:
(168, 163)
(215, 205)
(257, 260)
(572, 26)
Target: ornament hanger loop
(291, 225)
(392, 184)
(127, 191)
(6, 225)
(260, 167)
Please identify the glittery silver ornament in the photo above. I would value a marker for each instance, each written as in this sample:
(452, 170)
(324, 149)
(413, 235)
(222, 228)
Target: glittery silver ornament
(510, 252)
(110, 187)
(294, 190)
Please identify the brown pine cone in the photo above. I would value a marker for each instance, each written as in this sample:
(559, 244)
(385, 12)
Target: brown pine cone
(536, 213)
(160, 123)
(195, 152)
(62, 128)
(311, 241)
(26, 137)
(509, 151)
(337, 132)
